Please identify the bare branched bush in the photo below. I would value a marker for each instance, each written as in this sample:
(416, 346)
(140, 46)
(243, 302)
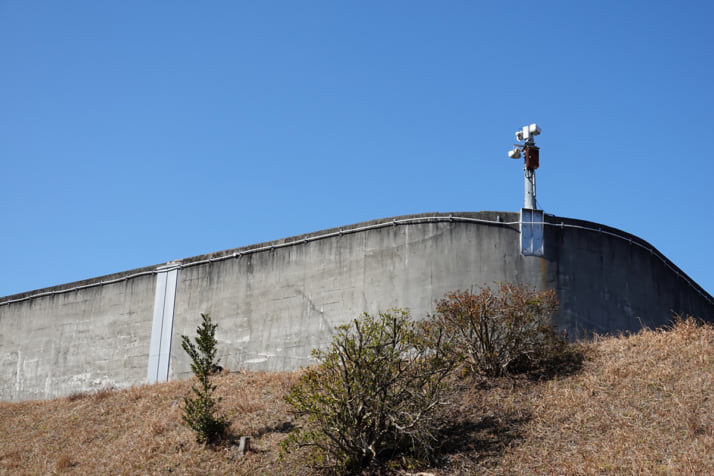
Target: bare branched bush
(496, 332)
(374, 394)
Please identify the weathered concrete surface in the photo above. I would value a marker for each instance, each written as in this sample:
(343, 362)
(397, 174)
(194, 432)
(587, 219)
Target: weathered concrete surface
(275, 302)
(76, 341)
(609, 281)
(274, 307)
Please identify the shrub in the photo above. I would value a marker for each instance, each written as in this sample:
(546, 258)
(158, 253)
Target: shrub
(497, 332)
(199, 411)
(374, 394)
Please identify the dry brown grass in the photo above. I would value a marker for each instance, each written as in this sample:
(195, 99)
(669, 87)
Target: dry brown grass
(641, 404)
(139, 430)
(644, 404)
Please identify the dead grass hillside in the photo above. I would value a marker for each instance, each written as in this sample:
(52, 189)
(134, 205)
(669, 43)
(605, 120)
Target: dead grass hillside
(643, 404)
(640, 404)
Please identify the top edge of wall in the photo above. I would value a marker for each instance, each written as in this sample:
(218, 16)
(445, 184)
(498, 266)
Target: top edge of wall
(495, 217)
(148, 270)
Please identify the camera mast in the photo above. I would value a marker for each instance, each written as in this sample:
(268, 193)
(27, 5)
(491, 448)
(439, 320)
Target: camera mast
(531, 153)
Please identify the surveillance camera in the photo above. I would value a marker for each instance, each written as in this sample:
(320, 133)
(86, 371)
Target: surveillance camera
(515, 153)
(534, 129)
(527, 132)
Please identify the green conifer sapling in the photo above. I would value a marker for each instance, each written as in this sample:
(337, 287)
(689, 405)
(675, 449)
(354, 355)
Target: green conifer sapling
(199, 411)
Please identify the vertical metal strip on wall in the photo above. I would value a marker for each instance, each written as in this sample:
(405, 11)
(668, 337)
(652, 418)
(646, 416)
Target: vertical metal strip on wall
(162, 326)
(531, 232)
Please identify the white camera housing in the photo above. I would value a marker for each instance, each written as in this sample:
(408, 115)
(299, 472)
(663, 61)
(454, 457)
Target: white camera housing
(515, 153)
(527, 132)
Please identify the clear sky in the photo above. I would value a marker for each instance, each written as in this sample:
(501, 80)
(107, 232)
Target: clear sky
(137, 132)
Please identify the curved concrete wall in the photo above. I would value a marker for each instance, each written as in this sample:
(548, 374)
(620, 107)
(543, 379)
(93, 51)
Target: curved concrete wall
(275, 302)
(609, 281)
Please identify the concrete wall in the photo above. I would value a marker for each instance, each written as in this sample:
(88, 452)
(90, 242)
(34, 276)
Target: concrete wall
(275, 302)
(66, 342)
(275, 306)
(609, 281)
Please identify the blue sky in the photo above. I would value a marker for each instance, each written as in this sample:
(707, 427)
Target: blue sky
(134, 133)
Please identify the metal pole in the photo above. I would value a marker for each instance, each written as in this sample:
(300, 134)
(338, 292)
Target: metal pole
(531, 163)
(530, 202)
(530, 196)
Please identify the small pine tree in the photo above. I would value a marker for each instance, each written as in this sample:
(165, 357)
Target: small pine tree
(199, 410)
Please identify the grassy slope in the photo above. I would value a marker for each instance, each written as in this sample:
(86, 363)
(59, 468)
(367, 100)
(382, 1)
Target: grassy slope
(641, 404)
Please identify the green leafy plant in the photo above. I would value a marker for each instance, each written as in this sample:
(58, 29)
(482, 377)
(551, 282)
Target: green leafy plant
(199, 411)
(374, 394)
(496, 332)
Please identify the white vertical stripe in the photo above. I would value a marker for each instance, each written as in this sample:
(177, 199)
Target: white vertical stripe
(167, 326)
(162, 326)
